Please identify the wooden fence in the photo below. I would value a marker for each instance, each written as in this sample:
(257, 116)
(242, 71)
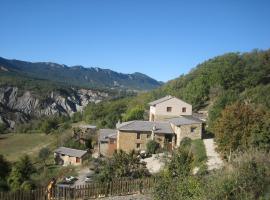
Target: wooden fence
(82, 192)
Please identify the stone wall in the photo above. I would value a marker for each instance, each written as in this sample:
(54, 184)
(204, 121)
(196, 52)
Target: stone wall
(185, 131)
(69, 160)
(128, 141)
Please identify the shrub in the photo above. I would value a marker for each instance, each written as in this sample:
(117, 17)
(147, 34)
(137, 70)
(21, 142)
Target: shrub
(152, 146)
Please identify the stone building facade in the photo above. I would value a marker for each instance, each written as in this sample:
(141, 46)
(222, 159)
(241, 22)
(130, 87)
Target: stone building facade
(169, 122)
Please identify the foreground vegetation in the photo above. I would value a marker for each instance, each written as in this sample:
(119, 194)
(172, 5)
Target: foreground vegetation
(246, 177)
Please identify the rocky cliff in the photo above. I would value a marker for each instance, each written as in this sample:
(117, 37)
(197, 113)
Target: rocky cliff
(21, 106)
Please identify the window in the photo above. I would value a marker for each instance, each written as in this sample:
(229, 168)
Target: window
(168, 138)
(138, 145)
(192, 129)
(184, 109)
(148, 135)
(169, 109)
(138, 136)
(78, 160)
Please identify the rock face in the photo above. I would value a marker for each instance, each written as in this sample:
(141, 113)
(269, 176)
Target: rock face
(17, 106)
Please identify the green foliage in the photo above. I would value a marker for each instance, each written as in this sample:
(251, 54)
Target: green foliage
(20, 173)
(152, 146)
(122, 165)
(77, 117)
(3, 128)
(175, 181)
(105, 114)
(75, 144)
(45, 125)
(246, 178)
(135, 113)
(44, 154)
(241, 127)
(4, 172)
(224, 99)
(199, 154)
(185, 142)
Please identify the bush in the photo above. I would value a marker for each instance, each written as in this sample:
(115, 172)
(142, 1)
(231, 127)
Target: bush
(135, 113)
(152, 146)
(122, 165)
(186, 142)
(3, 128)
(241, 127)
(247, 177)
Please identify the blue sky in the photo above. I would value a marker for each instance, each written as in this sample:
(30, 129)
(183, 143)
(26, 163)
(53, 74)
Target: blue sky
(161, 38)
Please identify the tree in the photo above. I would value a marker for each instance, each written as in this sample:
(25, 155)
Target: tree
(21, 172)
(135, 113)
(122, 165)
(175, 181)
(44, 154)
(152, 146)
(4, 172)
(241, 127)
(3, 128)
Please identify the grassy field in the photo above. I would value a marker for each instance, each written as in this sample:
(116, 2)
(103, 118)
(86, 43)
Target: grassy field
(12, 146)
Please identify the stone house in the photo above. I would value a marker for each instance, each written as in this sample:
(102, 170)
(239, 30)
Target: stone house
(107, 141)
(170, 120)
(135, 135)
(168, 107)
(67, 156)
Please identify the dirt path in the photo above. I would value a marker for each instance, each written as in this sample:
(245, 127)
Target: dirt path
(214, 160)
(154, 164)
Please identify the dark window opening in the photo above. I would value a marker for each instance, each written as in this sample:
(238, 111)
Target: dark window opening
(138, 145)
(78, 160)
(138, 136)
(169, 109)
(168, 138)
(184, 109)
(192, 129)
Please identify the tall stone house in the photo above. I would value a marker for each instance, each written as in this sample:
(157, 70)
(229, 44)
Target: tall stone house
(170, 120)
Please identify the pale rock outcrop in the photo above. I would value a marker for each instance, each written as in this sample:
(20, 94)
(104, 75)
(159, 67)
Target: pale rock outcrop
(21, 106)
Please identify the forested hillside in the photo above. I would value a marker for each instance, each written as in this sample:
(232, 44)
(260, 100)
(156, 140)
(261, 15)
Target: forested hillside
(211, 85)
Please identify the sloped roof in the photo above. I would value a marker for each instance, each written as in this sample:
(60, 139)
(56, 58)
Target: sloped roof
(166, 98)
(105, 134)
(71, 152)
(157, 127)
(184, 120)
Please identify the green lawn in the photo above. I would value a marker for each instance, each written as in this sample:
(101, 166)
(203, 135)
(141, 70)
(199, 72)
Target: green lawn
(12, 146)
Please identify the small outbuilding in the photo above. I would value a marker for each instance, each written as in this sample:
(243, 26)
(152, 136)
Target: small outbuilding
(67, 156)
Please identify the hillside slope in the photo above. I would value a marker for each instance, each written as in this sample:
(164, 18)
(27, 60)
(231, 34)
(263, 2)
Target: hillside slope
(212, 85)
(78, 75)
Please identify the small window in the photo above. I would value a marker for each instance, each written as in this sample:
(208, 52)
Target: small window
(148, 135)
(78, 160)
(138, 145)
(138, 136)
(192, 129)
(169, 109)
(184, 109)
(62, 154)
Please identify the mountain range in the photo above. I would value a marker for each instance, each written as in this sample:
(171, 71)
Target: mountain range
(80, 76)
